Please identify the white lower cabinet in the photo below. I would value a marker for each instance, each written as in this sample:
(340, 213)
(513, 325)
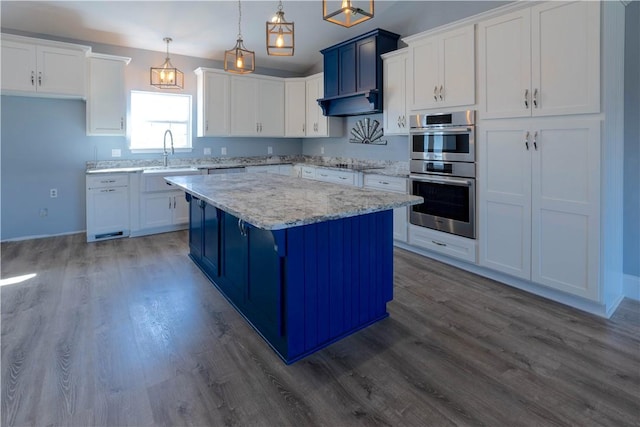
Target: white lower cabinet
(395, 185)
(539, 202)
(107, 206)
(161, 208)
(164, 209)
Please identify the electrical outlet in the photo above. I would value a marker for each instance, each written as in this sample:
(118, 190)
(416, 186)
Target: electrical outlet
(44, 212)
(116, 152)
(223, 151)
(53, 193)
(321, 150)
(207, 151)
(269, 150)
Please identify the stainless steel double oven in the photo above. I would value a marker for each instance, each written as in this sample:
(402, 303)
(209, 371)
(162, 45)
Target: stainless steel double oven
(443, 172)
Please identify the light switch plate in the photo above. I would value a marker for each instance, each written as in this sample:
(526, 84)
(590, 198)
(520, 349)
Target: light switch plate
(116, 152)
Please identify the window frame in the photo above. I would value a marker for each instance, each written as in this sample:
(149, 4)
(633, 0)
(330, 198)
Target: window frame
(160, 149)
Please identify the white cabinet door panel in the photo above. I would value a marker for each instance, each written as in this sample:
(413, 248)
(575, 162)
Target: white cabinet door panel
(244, 106)
(271, 108)
(565, 209)
(156, 210)
(295, 108)
(425, 82)
(61, 71)
(505, 66)
(505, 199)
(18, 66)
(457, 69)
(566, 57)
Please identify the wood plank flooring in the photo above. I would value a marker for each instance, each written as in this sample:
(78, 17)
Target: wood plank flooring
(130, 333)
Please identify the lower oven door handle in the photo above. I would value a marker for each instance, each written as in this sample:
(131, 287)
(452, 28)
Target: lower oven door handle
(462, 182)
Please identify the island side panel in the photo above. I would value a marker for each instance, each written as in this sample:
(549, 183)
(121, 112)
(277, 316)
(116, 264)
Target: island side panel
(339, 279)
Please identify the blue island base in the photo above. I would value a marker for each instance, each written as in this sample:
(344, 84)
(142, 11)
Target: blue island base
(301, 288)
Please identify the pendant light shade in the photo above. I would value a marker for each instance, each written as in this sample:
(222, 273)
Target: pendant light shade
(166, 76)
(280, 35)
(347, 12)
(239, 59)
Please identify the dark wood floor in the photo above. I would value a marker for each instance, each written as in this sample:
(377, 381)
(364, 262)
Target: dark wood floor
(129, 332)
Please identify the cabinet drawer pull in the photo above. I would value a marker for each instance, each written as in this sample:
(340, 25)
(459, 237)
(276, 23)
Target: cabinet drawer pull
(107, 181)
(383, 182)
(526, 98)
(33, 78)
(342, 177)
(526, 140)
(535, 98)
(438, 243)
(441, 89)
(535, 138)
(435, 93)
(109, 190)
(40, 78)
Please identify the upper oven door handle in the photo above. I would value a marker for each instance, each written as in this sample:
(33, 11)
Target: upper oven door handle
(447, 180)
(441, 131)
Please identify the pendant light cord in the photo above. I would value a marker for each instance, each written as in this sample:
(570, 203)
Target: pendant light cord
(239, 19)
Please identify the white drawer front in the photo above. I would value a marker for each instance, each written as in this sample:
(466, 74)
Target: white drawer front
(386, 183)
(308, 172)
(444, 243)
(339, 177)
(102, 181)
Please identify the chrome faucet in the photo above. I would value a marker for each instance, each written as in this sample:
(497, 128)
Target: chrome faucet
(165, 153)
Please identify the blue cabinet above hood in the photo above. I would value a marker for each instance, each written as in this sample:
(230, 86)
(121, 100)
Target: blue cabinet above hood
(353, 74)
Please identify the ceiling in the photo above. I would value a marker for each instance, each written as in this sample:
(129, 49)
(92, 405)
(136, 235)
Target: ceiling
(205, 29)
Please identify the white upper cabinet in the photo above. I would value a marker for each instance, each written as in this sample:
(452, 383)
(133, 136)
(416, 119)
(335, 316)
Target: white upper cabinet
(295, 107)
(257, 106)
(442, 69)
(541, 61)
(319, 125)
(213, 103)
(106, 97)
(395, 89)
(47, 69)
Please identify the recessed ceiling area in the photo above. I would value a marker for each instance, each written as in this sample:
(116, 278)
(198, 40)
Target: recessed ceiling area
(205, 29)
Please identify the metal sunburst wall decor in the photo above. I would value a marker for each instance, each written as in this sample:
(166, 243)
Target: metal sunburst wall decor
(366, 132)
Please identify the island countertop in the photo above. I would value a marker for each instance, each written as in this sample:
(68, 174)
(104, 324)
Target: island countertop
(274, 202)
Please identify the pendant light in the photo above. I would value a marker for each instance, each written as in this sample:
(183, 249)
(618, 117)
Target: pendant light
(280, 36)
(348, 14)
(167, 76)
(239, 60)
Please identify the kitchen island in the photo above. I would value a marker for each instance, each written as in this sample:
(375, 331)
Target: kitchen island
(306, 263)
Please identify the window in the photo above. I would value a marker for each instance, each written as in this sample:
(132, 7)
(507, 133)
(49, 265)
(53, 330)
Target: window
(152, 114)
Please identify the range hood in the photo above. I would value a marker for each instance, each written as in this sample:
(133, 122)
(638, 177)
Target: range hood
(353, 74)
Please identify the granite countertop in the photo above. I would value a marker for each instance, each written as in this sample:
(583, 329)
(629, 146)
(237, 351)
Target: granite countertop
(274, 202)
(390, 168)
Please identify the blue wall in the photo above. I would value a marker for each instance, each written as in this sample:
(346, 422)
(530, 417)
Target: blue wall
(397, 148)
(632, 141)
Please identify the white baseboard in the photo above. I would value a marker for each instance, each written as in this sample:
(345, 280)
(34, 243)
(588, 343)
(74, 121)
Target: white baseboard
(41, 236)
(631, 287)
